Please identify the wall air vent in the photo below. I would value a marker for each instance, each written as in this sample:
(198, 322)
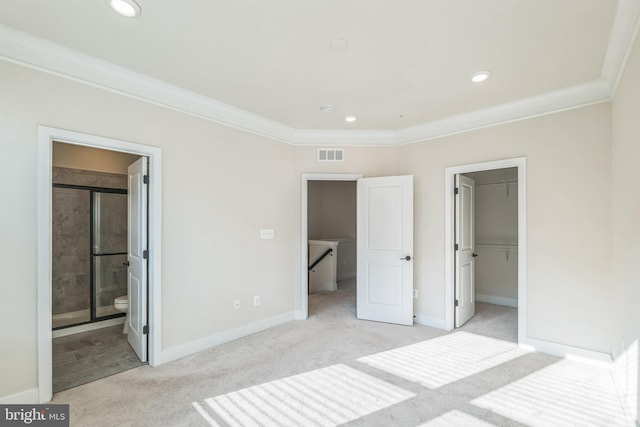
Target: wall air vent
(331, 154)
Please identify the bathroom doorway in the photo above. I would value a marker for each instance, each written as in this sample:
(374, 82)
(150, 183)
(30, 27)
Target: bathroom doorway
(147, 203)
(89, 264)
(89, 245)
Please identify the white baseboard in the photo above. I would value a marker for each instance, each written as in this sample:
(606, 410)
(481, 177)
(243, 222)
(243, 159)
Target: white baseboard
(491, 299)
(430, 321)
(192, 347)
(87, 327)
(298, 315)
(567, 351)
(24, 397)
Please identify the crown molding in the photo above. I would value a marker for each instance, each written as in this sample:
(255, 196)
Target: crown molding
(345, 137)
(548, 103)
(43, 55)
(34, 52)
(625, 27)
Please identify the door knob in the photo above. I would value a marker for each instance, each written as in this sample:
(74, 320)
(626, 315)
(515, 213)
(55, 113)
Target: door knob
(406, 258)
(475, 255)
(126, 263)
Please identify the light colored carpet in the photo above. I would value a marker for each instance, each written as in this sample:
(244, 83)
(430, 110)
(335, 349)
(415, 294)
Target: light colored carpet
(333, 369)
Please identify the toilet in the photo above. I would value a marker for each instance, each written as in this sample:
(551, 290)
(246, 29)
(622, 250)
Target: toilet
(122, 305)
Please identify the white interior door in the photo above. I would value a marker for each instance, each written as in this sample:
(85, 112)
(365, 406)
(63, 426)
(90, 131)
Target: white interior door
(465, 250)
(385, 249)
(138, 257)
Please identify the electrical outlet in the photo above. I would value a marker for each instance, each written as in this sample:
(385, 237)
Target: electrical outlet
(415, 293)
(256, 300)
(236, 304)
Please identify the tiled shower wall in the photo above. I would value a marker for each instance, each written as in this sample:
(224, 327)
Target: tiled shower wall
(70, 236)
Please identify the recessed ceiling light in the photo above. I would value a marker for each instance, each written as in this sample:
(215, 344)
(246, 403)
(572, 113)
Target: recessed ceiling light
(480, 76)
(327, 108)
(128, 8)
(351, 119)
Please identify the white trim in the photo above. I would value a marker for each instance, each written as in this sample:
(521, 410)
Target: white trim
(449, 178)
(27, 397)
(492, 299)
(567, 351)
(547, 103)
(623, 33)
(380, 138)
(182, 350)
(34, 52)
(301, 296)
(87, 327)
(431, 322)
(46, 135)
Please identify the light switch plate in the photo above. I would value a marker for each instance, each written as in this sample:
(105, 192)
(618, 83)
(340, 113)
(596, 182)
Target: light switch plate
(267, 233)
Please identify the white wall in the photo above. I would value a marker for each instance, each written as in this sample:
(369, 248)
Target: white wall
(220, 186)
(568, 218)
(626, 207)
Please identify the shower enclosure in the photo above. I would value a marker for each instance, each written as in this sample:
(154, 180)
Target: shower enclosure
(89, 240)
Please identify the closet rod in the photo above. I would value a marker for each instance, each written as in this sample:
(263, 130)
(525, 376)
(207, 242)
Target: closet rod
(502, 245)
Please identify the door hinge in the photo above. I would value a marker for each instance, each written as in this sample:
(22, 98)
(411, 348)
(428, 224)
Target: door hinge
(145, 179)
(145, 254)
(456, 190)
(456, 303)
(145, 329)
(455, 247)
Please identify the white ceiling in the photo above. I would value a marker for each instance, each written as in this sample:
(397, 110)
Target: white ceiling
(408, 63)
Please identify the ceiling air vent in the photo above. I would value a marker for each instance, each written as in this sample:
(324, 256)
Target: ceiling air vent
(330, 154)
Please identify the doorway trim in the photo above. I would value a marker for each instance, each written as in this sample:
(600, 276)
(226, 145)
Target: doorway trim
(302, 296)
(449, 219)
(46, 137)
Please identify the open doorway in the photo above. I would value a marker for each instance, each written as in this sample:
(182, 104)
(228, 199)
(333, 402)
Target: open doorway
(486, 255)
(90, 262)
(502, 243)
(332, 262)
(384, 247)
(316, 195)
(144, 213)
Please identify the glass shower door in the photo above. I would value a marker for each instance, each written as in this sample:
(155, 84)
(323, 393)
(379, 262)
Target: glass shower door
(109, 254)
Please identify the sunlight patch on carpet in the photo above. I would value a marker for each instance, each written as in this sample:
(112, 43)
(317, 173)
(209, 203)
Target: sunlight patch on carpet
(456, 418)
(324, 397)
(567, 393)
(446, 359)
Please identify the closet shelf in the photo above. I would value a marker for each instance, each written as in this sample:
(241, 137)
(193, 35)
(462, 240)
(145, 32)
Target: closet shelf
(499, 245)
(499, 182)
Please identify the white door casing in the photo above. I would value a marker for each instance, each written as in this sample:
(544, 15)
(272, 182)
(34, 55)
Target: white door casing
(136, 248)
(464, 250)
(385, 249)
